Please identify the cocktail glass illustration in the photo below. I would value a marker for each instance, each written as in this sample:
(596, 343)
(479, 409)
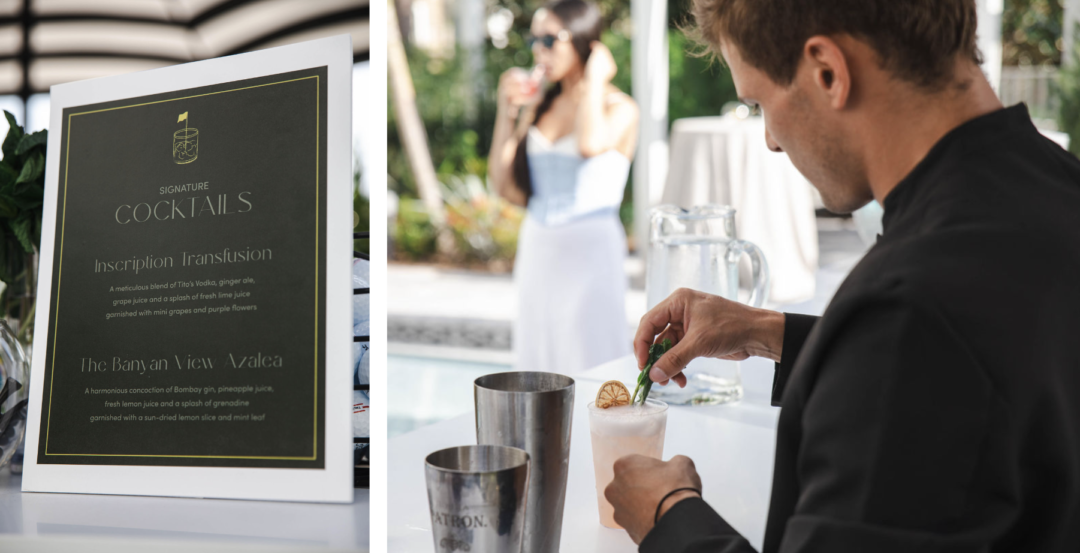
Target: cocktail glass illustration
(185, 145)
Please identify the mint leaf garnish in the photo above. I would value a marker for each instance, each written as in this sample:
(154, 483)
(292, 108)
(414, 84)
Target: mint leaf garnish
(644, 383)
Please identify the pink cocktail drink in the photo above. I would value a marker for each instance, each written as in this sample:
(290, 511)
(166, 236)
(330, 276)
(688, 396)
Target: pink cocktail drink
(621, 431)
(528, 85)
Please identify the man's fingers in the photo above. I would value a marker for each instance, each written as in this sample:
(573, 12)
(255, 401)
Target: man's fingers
(687, 467)
(652, 323)
(673, 332)
(679, 379)
(673, 362)
(683, 462)
(626, 461)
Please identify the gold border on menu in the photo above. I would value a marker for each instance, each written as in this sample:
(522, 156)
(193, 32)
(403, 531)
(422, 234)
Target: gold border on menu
(52, 368)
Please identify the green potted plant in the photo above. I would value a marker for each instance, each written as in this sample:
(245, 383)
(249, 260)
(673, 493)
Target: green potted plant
(22, 192)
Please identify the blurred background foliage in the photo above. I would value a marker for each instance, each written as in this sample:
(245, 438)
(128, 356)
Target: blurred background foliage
(1068, 94)
(458, 109)
(484, 227)
(1031, 32)
(448, 96)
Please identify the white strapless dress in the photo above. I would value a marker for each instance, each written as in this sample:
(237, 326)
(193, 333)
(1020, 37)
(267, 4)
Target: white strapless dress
(569, 268)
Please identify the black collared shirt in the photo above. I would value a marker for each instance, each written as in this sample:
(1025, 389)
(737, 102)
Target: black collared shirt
(935, 406)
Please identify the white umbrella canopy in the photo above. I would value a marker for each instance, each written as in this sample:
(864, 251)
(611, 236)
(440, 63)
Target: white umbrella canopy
(47, 42)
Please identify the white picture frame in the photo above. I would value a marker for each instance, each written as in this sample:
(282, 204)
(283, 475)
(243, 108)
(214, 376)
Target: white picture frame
(334, 482)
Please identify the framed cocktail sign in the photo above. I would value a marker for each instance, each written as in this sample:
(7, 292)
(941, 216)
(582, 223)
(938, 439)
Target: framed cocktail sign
(193, 322)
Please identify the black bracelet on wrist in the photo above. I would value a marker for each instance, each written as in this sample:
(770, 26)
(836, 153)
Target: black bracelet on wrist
(656, 518)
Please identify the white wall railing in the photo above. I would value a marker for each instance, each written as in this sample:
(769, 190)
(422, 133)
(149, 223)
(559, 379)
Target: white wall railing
(1034, 85)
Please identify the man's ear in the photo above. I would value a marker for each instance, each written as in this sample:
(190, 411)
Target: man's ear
(829, 69)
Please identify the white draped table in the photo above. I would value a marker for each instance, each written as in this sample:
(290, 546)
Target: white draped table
(724, 160)
(731, 445)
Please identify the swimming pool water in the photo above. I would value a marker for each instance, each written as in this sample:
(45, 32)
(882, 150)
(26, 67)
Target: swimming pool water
(424, 390)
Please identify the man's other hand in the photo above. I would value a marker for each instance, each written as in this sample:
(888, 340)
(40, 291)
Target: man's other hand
(639, 485)
(703, 325)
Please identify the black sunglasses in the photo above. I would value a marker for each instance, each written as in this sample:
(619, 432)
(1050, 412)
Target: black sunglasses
(547, 41)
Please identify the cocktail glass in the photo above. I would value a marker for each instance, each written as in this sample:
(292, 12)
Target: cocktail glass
(531, 85)
(621, 431)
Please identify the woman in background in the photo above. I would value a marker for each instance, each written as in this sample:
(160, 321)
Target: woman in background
(565, 153)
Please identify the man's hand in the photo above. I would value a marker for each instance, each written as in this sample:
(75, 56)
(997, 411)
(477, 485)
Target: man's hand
(703, 325)
(639, 485)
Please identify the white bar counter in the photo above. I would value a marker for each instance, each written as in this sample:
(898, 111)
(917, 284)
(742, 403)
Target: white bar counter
(121, 524)
(731, 445)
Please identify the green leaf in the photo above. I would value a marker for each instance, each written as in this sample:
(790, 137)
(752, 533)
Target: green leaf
(644, 384)
(8, 175)
(21, 228)
(14, 135)
(33, 169)
(8, 209)
(28, 197)
(31, 141)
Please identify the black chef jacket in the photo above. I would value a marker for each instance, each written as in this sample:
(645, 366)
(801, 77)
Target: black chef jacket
(935, 406)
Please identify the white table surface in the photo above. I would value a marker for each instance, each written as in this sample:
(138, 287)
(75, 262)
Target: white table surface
(731, 445)
(54, 522)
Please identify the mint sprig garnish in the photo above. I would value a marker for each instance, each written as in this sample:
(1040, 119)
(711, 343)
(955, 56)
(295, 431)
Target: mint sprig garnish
(644, 383)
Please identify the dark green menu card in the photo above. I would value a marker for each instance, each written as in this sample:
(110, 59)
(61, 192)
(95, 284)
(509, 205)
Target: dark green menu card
(187, 307)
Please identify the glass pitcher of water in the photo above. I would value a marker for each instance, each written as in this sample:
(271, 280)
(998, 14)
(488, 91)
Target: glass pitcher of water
(698, 249)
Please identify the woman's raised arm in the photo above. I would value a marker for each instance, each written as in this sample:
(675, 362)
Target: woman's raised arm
(604, 125)
(508, 133)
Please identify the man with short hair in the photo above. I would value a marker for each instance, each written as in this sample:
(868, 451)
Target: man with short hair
(935, 406)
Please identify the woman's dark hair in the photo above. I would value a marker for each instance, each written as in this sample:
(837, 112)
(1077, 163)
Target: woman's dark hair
(585, 23)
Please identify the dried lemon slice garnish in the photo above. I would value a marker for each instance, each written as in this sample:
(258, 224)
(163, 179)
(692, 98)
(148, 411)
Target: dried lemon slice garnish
(612, 394)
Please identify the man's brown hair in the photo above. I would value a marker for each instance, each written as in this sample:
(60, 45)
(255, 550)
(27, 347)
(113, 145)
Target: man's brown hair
(917, 40)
